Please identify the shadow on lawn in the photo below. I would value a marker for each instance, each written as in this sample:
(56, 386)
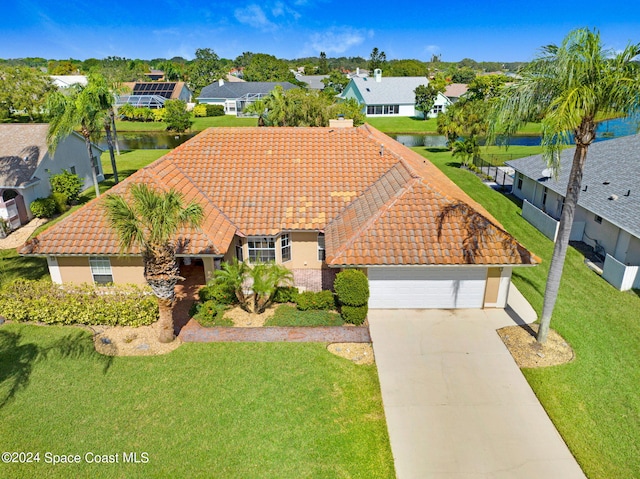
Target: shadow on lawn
(18, 358)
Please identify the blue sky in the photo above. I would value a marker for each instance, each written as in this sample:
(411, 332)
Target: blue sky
(497, 30)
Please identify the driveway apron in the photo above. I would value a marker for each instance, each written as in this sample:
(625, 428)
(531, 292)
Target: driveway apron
(456, 404)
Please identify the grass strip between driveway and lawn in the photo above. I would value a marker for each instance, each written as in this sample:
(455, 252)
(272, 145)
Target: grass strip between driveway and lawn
(258, 410)
(593, 401)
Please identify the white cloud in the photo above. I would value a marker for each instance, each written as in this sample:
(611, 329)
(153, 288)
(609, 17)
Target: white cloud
(335, 41)
(254, 16)
(432, 49)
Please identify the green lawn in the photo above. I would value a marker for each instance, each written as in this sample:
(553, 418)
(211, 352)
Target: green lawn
(402, 124)
(14, 266)
(593, 401)
(228, 410)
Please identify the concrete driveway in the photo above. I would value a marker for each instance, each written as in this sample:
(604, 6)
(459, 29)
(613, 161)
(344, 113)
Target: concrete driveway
(456, 404)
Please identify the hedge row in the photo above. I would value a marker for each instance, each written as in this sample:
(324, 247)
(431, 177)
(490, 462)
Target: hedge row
(46, 302)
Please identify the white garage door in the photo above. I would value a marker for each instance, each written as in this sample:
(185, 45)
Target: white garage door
(428, 288)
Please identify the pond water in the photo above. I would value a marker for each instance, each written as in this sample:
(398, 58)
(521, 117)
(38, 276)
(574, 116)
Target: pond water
(152, 141)
(605, 130)
(148, 140)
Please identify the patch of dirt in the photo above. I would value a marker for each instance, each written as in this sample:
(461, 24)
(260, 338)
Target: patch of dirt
(359, 353)
(128, 341)
(528, 353)
(244, 319)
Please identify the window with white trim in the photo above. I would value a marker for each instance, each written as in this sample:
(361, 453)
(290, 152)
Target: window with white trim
(598, 219)
(437, 109)
(383, 109)
(101, 269)
(519, 186)
(285, 246)
(262, 249)
(321, 252)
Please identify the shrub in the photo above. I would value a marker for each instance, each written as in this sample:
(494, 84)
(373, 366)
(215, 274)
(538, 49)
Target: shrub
(285, 294)
(352, 287)
(354, 314)
(61, 202)
(176, 115)
(215, 110)
(43, 207)
(46, 302)
(200, 111)
(159, 114)
(67, 183)
(312, 300)
(209, 313)
(221, 293)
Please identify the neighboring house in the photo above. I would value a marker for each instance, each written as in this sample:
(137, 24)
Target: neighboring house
(153, 94)
(314, 82)
(608, 213)
(390, 96)
(454, 91)
(315, 200)
(25, 167)
(65, 81)
(235, 96)
(155, 75)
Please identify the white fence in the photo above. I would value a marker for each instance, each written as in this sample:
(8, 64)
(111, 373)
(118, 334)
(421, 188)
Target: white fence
(620, 275)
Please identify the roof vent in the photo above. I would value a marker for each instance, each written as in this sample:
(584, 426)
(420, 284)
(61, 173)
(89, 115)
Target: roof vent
(381, 150)
(613, 197)
(547, 172)
(628, 193)
(606, 182)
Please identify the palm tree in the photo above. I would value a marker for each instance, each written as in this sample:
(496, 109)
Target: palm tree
(569, 87)
(267, 277)
(81, 106)
(233, 275)
(149, 220)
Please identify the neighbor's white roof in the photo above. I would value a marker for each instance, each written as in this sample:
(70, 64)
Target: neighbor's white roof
(389, 90)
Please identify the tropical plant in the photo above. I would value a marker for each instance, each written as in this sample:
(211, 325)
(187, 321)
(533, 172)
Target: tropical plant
(149, 220)
(267, 277)
(467, 149)
(569, 86)
(232, 275)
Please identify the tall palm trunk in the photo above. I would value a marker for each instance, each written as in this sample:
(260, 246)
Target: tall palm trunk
(112, 115)
(92, 162)
(584, 137)
(162, 274)
(165, 320)
(107, 130)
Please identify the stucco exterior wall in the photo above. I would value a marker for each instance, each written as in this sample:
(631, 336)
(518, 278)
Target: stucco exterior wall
(76, 269)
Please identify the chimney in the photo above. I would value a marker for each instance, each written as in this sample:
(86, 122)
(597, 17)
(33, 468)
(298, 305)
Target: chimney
(220, 82)
(378, 74)
(341, 122)
(358, 71)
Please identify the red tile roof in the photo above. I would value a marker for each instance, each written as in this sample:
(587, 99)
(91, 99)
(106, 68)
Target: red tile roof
(378, 200)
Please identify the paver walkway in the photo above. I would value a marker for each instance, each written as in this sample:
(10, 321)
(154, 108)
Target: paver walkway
(195, 333)
(456, 404)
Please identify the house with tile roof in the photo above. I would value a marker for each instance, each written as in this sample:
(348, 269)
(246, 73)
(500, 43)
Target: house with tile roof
(235, 96)
(608, 213)
(26, 165)
(315, 200)
(390, 96)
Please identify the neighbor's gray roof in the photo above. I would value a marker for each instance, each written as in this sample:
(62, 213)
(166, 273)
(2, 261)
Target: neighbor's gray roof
(22, 148)
(389, 90)
(313, 81)
(615, 161)
(238, 89)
